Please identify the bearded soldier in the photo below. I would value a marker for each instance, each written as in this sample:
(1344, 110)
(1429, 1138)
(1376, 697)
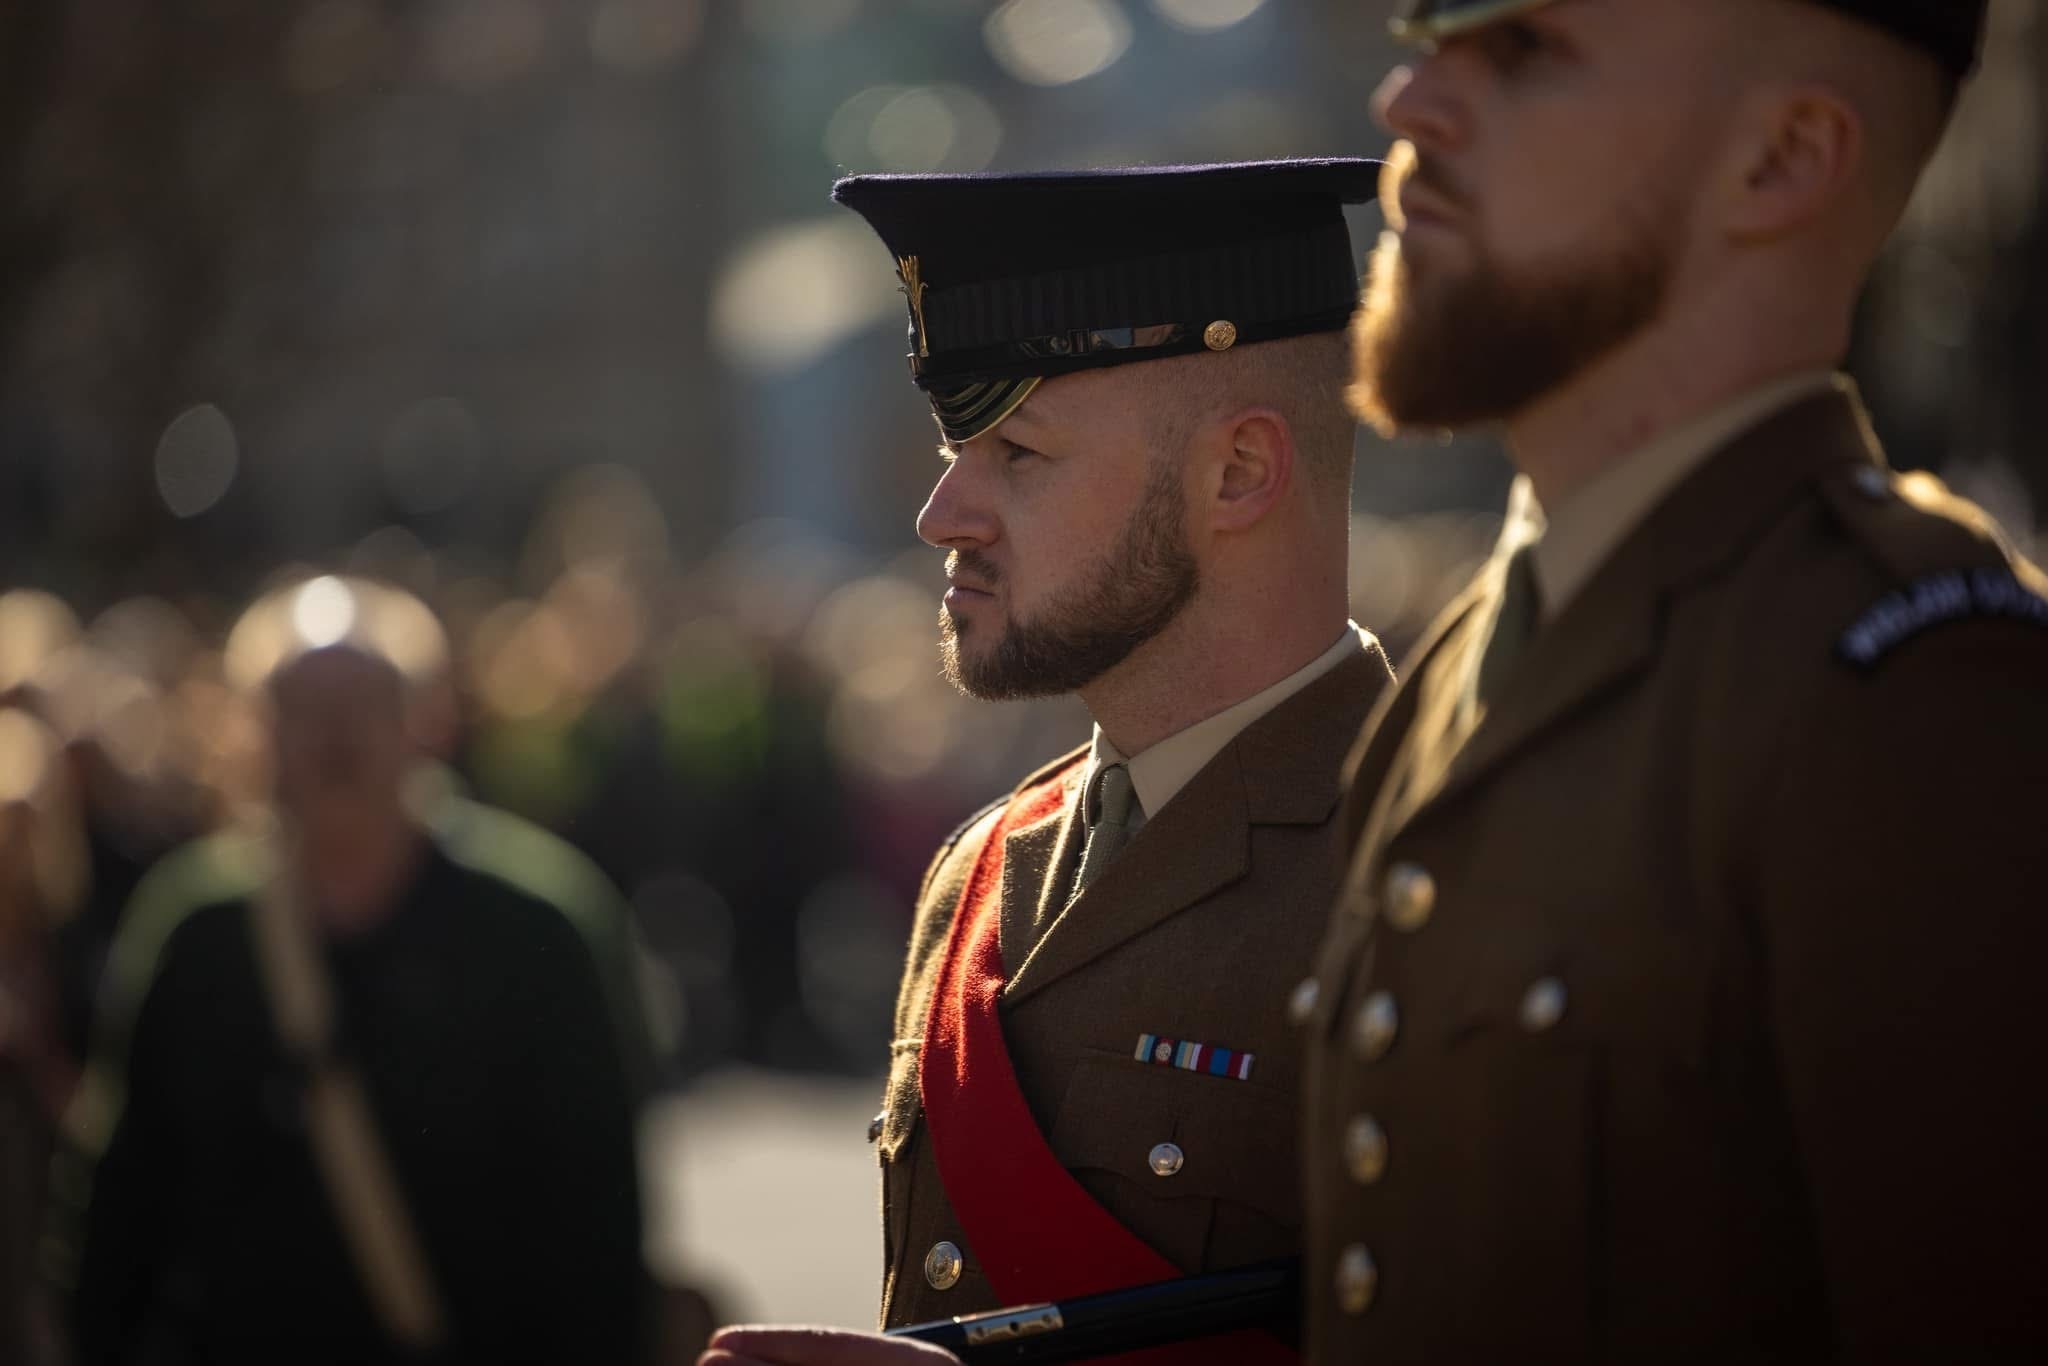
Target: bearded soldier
(1680, 1003)
(1146, 500)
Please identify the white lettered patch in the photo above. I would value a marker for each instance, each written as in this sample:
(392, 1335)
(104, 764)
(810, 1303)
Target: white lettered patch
(1952, 595)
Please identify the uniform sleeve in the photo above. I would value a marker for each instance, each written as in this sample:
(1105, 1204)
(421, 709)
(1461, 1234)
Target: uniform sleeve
(1904, 880)
(589, 1289)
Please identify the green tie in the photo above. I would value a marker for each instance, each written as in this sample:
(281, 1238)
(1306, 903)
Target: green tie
(1109, 814)
(1520, 608)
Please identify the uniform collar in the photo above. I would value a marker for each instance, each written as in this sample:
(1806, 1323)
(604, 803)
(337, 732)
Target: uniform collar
(1610, 630)
(1161, 770)
(1584, 528)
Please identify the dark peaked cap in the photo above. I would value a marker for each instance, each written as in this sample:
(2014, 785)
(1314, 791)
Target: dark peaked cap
(1012, 279)
(1952, 30)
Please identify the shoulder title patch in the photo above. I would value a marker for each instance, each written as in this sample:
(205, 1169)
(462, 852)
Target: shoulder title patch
(1953, 595)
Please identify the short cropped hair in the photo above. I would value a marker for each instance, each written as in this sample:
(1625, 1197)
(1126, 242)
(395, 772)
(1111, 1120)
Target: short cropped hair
(1303, 378)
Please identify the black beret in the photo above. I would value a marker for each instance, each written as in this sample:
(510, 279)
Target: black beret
(1014, 278)
(1952, 30)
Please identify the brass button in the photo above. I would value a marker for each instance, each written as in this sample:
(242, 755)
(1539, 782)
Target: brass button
(1302, 1003)
(1543, 1004)
(943, 1265)
(875, 1126)
(1166, 1159)
(1365, 1150)
(1358, 1280)
(1410, 897)
(1220, 335)
(1372, 1033)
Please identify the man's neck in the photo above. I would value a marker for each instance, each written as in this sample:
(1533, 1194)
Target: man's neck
(1206, 663)
(1673, 372)
(355, 889)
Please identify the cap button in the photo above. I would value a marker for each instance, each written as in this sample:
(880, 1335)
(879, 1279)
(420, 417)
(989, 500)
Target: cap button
(1220, 335)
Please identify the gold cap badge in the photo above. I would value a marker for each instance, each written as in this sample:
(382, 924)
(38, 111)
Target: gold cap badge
(913, 290)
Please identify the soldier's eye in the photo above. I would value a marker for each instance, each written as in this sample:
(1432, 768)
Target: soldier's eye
(1012, 452)
(1512, 42)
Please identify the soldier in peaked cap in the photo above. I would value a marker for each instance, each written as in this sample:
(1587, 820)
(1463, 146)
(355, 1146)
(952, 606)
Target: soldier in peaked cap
(1138, 378)
(1681, 1002)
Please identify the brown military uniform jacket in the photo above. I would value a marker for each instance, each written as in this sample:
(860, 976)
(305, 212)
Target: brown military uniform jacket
(1690, 1012)
(1195, 932)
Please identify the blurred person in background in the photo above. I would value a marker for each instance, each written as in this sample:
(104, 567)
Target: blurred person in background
(42, 876)
(1145, 501)
(1689, 960)
(134, 802)
(362, 1097)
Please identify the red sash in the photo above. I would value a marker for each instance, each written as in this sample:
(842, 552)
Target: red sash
(1037, 1233)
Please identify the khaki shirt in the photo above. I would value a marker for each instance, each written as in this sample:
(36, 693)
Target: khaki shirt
(1161, 770)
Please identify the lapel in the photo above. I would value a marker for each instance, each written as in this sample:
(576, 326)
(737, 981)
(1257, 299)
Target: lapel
(1282, 770)
(1037, 869)
(1440, 723)
(1372, 768)
(1610, 631)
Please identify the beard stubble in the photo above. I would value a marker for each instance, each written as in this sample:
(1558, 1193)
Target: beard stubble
(1132, 593)
(1432, 349)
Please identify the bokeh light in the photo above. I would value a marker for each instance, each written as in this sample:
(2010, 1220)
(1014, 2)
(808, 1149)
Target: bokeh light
(794, 292)
(914, 128)
(1057, 42)
(34, 626)
(1206, 16)
(323, 612)
(196, 460)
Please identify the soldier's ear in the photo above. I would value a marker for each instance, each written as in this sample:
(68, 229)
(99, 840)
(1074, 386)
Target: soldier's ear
(1796, 153)
(1257, 458)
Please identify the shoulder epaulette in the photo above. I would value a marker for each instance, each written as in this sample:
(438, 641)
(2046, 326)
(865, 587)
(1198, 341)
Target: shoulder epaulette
(1946, 560)
(960, 830)
(960, 833)
(1911, 524)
